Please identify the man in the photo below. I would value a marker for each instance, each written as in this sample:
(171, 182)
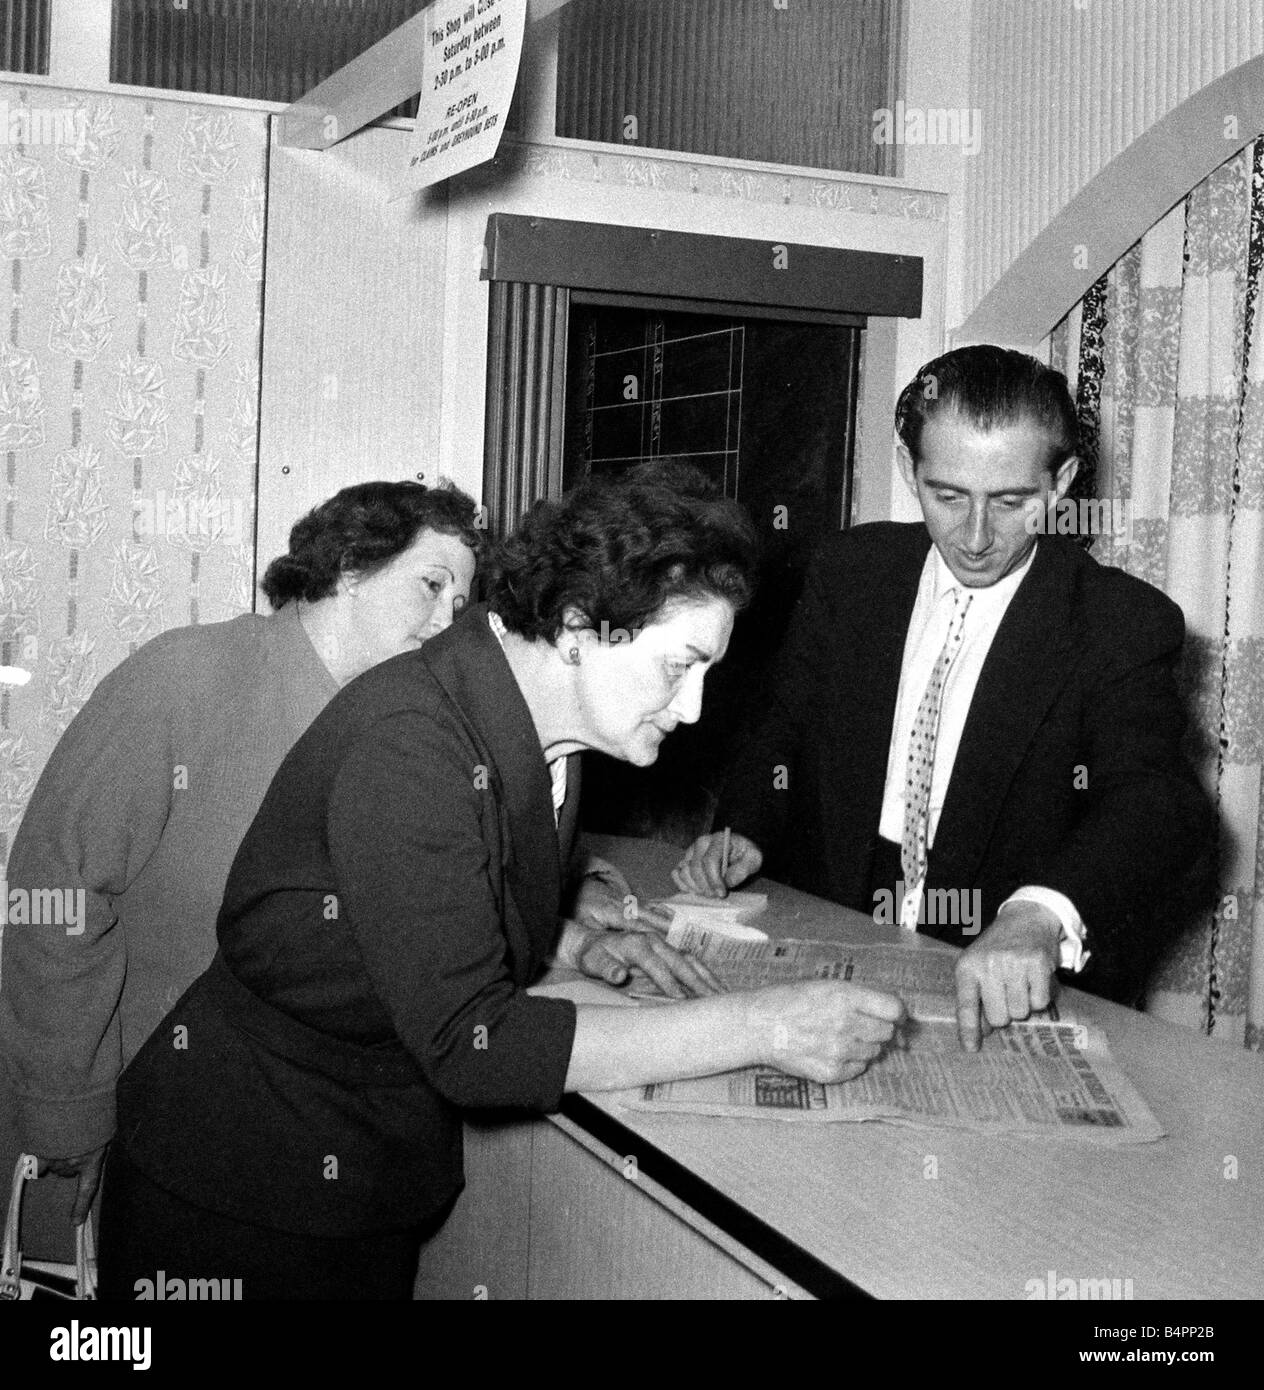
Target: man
(969, 713)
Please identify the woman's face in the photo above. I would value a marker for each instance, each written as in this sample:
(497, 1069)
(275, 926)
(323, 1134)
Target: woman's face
(414, 596)
(634, 690)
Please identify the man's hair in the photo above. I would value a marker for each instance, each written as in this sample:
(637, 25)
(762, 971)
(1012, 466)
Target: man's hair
(989, 387)
(618, 551)
(361, 529)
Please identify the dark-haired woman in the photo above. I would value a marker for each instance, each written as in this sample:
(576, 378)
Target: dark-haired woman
(146, 797)
(295, 1122)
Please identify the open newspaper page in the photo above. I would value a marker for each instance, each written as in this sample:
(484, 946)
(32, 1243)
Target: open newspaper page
(1051, 1075)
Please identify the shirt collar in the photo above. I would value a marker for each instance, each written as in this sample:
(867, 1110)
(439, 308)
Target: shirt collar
(995, 596)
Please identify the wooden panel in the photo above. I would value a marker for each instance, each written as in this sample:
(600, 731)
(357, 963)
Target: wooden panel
(737, 270)
(481, 1252)
(353, 329)
(598, 1234)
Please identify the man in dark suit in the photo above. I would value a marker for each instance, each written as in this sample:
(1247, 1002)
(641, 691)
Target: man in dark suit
(972, 721)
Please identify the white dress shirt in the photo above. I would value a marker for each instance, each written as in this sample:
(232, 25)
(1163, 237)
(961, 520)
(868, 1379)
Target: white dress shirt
(927, 631)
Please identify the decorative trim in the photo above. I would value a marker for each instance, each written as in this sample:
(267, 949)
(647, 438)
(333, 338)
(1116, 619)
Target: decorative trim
(726, 180)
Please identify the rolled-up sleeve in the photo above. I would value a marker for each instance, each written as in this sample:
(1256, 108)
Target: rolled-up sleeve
(415, 885)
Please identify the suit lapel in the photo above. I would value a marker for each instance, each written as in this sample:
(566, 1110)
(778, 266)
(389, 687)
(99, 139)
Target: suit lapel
(568, 820)
(1029, 661)
(872, 664)
(468, 662)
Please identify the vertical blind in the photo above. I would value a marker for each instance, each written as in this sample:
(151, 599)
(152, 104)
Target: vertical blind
(737, 79)
(526, 397)
(265, 50)
(24, 35)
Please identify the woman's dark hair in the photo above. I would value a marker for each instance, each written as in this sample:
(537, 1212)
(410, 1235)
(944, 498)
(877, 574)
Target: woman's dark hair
(989, 387)
(619, 550)
(361, 528)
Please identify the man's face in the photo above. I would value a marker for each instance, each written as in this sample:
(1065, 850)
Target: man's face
(978, 489)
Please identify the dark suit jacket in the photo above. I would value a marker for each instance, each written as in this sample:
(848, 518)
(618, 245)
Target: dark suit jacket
(396, 892)
(1080, 677)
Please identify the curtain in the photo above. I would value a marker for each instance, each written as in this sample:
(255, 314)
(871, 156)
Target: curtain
(1167, 357)
(526, 384)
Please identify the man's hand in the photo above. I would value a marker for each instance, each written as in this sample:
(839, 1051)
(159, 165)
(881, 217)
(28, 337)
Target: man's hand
(699, 870)
(613, 955)
(1008, 971)
(87, 1168)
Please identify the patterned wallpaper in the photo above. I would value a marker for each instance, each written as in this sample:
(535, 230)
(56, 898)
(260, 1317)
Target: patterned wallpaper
(131, 247)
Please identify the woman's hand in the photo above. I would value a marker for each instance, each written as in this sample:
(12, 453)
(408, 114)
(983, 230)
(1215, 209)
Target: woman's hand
(824, 1030)
(87, 1168)
(604, 899)
(699, 870)
(612, 956)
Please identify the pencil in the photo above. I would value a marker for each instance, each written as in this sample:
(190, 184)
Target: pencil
(724, 857)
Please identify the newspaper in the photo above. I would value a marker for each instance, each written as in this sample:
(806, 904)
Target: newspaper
(1051, 1075)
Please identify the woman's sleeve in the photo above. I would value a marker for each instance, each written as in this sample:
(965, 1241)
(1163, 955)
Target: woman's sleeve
(413, 873)
(95, 817)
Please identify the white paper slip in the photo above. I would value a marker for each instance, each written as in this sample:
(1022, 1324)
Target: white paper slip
(741, 905)
(721, 916)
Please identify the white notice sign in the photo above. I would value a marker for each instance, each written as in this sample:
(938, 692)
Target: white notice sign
(468, 75)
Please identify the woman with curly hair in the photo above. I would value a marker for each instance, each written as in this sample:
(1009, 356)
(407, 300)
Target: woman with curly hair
(150, 790)
(295, 1122)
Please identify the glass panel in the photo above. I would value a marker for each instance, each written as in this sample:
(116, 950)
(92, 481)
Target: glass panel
(739, 79)
(266, 50)
(766, 412)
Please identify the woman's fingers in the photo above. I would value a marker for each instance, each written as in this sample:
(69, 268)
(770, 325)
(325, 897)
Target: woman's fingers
(823, 1029)
(663, 963)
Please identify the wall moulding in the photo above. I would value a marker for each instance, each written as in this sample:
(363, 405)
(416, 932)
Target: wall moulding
(665, 172)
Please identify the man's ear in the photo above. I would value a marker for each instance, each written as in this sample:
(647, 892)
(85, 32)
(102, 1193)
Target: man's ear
(1065, 476)
(908, 470)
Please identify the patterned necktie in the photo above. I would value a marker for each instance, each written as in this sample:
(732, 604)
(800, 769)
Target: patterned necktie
(921, 765)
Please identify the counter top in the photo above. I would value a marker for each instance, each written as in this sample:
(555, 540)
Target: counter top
(900, 1212)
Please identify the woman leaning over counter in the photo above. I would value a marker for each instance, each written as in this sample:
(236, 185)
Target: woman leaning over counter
(295, 1122)
(148, 794)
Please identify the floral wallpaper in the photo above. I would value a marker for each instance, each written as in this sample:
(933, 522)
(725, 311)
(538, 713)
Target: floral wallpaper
(131, 258)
